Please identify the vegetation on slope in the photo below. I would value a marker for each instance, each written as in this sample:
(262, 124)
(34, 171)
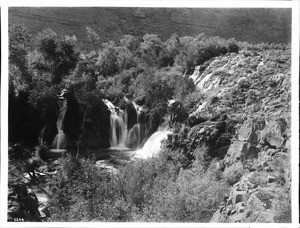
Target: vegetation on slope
(245, 24)
(187, 181)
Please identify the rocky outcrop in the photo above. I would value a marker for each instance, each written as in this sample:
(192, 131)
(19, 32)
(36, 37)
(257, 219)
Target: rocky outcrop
(96, 126)
(215, 134)
(254, 89)
(265, 182)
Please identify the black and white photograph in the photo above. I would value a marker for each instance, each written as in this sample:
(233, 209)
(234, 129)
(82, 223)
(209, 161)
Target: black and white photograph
(159, 115)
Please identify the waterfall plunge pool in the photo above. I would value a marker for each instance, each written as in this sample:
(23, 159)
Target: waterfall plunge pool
(121, 137)
(111, 158)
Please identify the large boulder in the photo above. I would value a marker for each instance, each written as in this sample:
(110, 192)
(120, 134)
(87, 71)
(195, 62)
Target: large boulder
(249, 131)
(97, 128)
(96, 131)
(239, 151)
(274, 133)
(131, 115)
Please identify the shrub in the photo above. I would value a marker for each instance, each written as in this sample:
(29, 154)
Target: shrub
(192, 100)
(107, 61)
(41, 151)
(130, 42)
(150, 49)
(19, 43)
(232, 46)
(77, 190)
(152, 91)
(234, 173)
(283, 209)
(202, 158)
(179, 112)
(193, 196)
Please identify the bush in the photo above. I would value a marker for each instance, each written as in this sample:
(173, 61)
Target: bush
(193, 196)
(76, 190)
(107, 62)
(153, 91)
(234, 173)
(192, 100)
(158, 189)
(41, 151)
(150, 49)
(19, 43)
(232, 46)
(179, 112)
(214, 46)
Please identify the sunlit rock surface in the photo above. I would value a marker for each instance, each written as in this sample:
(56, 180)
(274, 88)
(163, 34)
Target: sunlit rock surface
(254, 89)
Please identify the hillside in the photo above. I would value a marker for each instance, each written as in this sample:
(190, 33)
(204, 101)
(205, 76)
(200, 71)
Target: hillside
(254, 26)
(253, 89)
(194, 129)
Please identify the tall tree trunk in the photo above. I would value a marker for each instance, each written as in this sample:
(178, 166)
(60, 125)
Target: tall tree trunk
(82, 131)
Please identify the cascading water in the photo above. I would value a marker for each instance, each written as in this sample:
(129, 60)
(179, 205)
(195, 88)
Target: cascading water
(118, 126)
(153, 144)
(135, 131)
(41, 137)
(60, 139)
(120, 136)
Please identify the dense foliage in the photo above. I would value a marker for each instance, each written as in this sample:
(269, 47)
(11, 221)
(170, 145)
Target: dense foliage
(182, 184)
(144, 69)
(154, 190)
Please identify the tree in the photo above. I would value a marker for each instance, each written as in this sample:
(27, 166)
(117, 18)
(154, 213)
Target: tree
(107, 60)
(154, 91)
(57, 56)
(19, 43)
(187, 53)
(130, 42)
(125, 59)
(93, 37)
(150, 49)
(170, 50)
(82, 85)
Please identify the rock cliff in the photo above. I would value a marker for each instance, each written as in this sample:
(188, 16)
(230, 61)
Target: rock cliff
(253, 89)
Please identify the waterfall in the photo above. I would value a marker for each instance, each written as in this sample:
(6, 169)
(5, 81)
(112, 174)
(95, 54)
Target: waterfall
(135, 132)
(41, 137)
(118, 125)
(121, 137)
(60, 139)
(153, 144)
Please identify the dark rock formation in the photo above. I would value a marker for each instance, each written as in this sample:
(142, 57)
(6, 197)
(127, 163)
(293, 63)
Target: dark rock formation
(132, 115)
(96, 125)
(23, 205)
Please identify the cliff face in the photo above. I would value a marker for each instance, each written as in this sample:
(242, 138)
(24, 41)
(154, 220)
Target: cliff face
(251, 25)
(253, 89)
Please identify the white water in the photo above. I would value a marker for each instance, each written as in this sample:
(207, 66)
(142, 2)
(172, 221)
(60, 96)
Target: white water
(118, 126)
(60, 138)
(135, 131)
(153, 144)
(41, 137)
(120, 135)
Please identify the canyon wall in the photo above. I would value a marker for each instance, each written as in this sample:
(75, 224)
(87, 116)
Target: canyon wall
(251, 25)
